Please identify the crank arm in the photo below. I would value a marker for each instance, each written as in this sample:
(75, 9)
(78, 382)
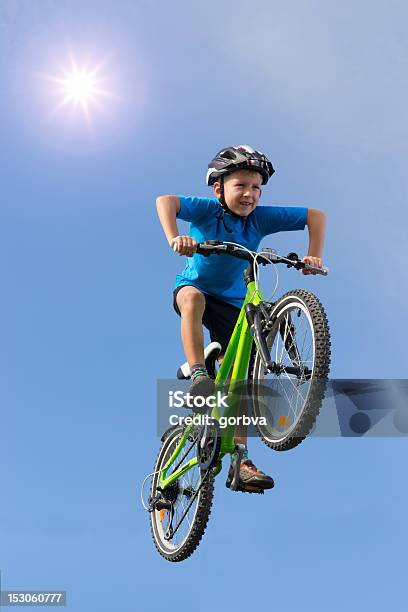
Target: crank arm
(234, 482)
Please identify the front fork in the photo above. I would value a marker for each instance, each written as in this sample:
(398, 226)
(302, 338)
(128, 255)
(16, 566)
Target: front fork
(257, 316)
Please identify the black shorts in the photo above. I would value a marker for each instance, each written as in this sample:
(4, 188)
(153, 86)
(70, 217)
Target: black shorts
(219, 317)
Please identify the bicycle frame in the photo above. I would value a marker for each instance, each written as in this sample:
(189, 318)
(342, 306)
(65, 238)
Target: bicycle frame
(235, 363)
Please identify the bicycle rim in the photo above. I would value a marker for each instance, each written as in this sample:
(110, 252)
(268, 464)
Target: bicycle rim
(191, 529)
(288, 402)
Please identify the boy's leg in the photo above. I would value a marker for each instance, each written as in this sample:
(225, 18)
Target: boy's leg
(191, 304)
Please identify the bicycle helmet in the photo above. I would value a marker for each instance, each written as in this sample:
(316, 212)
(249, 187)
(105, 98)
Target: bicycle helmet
(241, 157)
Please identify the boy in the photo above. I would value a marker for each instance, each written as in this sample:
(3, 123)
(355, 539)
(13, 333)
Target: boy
(211, 290)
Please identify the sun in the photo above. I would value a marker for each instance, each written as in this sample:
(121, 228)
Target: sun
(80, 87)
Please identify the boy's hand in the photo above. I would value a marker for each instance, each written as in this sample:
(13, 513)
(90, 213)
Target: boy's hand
(312, 261)
(184, 245)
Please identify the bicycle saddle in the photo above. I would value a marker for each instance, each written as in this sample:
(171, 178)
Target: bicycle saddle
(211, 353)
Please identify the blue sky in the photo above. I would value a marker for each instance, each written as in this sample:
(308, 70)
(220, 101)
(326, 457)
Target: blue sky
(86, 322)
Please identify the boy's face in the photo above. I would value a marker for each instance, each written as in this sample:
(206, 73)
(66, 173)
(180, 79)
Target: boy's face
(242, 190)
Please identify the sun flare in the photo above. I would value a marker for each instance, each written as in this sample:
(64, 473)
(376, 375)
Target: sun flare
(80, 87)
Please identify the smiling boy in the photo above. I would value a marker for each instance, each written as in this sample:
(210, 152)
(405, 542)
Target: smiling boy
(211, 290)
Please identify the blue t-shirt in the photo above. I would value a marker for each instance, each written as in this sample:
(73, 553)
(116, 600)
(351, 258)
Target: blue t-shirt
(222, 275)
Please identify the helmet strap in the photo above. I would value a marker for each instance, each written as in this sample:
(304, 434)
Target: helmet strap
(222, 196)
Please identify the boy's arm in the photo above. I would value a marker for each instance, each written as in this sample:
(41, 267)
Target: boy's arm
(167, 208)
(316, 223)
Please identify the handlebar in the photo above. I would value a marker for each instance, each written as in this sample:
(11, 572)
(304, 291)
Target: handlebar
(269, 256)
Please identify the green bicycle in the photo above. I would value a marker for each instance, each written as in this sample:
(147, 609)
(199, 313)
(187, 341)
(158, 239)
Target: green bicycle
(279, 353)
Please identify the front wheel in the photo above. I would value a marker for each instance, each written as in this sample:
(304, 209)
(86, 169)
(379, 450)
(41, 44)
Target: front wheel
(289, 400)
(185, 540)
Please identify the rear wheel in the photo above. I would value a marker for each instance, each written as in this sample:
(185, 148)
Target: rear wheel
(289, 400)
(186, 538)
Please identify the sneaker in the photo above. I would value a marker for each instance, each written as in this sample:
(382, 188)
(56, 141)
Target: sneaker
(251, 480)
(202, 386)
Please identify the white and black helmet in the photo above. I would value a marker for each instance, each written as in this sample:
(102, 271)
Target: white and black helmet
(241, 157)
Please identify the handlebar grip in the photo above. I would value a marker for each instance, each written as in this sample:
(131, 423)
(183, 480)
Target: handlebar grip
(204, 249)
(322, 271)
(301, 265)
